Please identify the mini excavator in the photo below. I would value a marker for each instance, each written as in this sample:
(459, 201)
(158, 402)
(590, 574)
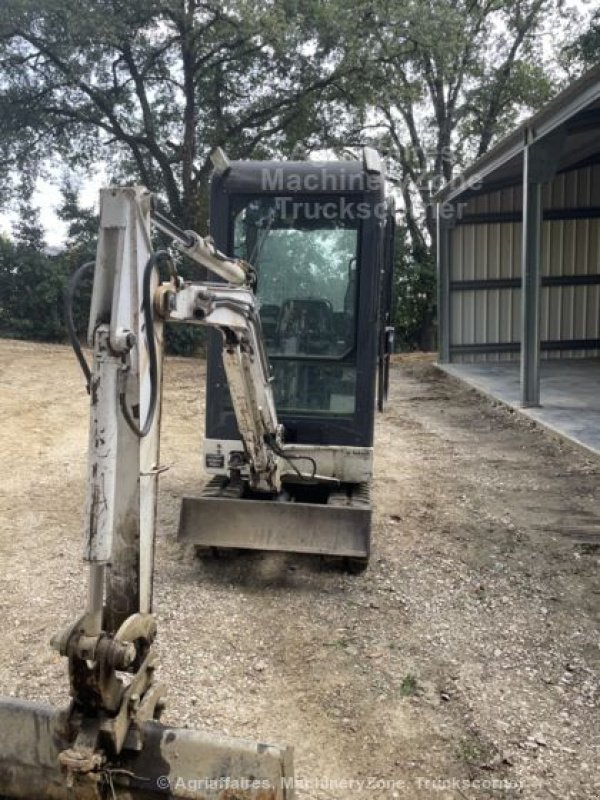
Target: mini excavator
(299, 317)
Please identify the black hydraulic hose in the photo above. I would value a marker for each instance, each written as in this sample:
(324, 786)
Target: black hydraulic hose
(68, 298)
(152, 354)
(271, 442)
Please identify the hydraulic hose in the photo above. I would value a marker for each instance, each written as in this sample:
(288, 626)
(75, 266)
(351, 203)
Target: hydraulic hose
(68, 298)
(152, 354)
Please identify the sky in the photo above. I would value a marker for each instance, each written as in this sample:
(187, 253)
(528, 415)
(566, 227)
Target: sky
(48, 199)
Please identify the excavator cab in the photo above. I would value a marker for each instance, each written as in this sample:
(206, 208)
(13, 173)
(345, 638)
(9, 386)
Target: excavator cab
(320, 237)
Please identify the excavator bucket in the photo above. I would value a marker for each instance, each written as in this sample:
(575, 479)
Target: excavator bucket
(172, 763)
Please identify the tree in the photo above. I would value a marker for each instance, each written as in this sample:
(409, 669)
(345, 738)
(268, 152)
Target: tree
(153, 85)
(80, 247)
(31, 286)
(28, 230)
(584, 52)
(30, 281)
(82, 225)
(414, 296)
(443, 80)
(446, 79)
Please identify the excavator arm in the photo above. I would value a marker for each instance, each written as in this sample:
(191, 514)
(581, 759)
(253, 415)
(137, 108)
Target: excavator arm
(233, 312)
(232, 309)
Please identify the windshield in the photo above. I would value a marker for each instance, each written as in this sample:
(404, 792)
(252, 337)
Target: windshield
(305, 255)
(306, 264)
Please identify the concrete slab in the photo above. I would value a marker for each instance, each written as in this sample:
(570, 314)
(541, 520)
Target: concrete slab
(570, 394)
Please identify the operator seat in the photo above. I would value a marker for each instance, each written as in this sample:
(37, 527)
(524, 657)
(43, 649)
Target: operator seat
(305, 326)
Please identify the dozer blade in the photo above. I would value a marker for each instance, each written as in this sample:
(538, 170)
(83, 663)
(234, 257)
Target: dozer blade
(267, 525)
(173, 763)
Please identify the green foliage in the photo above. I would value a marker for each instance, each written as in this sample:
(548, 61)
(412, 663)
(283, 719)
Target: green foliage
(442, 81)
(152, 87)
(584, 52)
(185, 340)
(415, 292)
(28, 230)
(31, 286)
(82, 225)
(32, 283)
(409, 686)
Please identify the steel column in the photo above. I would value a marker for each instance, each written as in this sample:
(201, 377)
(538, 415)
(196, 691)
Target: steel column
(446, 221)
(540, 160)
(530, 286)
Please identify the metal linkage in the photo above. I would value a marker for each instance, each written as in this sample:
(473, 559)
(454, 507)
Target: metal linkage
(107, 710)
(202, 250)
(233, 311)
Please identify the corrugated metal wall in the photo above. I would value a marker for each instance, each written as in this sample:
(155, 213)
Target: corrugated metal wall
(491, 251)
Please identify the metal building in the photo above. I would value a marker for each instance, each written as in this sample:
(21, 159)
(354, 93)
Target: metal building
(519, 262)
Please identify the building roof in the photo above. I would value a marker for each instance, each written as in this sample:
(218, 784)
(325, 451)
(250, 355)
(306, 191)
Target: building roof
(577, 107)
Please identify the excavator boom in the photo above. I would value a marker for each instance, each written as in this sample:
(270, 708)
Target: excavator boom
(109, 742)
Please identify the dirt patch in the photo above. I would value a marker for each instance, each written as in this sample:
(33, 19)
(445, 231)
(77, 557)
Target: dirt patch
(464, 663)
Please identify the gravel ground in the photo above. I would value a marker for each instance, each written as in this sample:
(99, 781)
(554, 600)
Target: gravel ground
(463, 664)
